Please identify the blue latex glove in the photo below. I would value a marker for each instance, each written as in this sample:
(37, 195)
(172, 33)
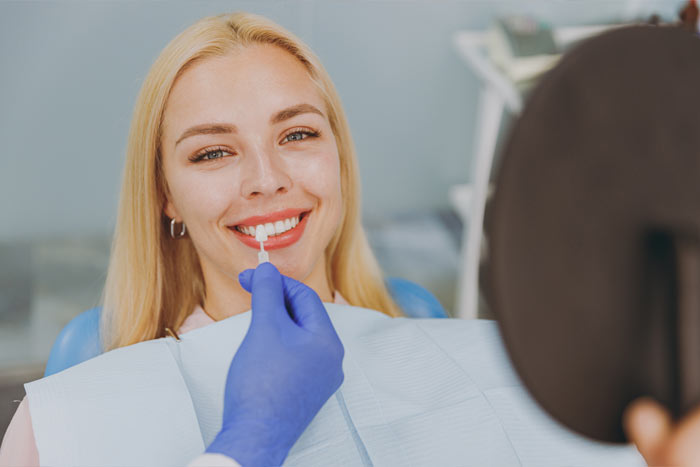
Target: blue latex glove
(288, 365)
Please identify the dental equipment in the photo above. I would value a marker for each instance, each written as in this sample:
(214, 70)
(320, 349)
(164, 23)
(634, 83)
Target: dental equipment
(261, 236)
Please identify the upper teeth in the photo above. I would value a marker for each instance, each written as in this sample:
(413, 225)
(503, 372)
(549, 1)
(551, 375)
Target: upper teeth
(271, 228)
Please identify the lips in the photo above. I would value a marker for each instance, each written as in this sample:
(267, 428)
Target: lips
(284, 228)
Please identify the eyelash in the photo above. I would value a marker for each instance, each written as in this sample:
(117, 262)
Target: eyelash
(202, 156)
(303, 131)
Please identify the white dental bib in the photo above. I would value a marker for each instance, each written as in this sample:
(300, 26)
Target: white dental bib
(416, 392)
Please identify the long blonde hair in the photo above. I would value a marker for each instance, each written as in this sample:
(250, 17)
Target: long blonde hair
(155, 281)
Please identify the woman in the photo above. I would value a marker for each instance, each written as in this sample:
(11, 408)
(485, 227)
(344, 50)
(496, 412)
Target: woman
(237, 125)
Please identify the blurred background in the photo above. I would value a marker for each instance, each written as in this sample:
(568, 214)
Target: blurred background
(428, 91)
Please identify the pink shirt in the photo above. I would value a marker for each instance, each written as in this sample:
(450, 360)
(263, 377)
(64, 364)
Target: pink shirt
(18, 447)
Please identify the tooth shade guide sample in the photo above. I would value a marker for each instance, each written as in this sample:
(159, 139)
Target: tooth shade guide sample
(260, 234)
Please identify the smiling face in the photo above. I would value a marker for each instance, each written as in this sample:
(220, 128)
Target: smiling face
(246, 141)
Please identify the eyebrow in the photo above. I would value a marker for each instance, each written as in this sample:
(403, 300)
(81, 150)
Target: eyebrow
(208, 129)
(225, 128)
(293, 111)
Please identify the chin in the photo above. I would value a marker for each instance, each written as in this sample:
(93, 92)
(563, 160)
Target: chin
(290, 268)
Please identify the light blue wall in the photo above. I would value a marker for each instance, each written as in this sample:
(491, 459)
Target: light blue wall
(70, 71)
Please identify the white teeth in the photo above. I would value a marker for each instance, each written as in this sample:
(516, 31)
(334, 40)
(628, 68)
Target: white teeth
(269, 229)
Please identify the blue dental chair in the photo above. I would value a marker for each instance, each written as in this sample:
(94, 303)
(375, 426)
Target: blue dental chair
(79, 341)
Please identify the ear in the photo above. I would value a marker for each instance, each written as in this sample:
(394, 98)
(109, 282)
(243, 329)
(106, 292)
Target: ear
(170, 211)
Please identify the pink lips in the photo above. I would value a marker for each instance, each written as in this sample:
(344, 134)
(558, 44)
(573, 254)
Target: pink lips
(278, 241)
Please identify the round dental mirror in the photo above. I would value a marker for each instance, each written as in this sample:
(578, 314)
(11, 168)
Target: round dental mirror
(594, 231)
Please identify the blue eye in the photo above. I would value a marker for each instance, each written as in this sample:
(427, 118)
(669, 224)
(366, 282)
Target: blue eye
(213, 154)
(298, 135)
(209, 155)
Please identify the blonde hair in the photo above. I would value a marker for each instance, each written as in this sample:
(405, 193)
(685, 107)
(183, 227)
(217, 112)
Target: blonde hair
(155, 281)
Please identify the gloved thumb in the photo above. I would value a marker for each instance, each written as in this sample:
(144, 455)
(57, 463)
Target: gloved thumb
(246, 278)
(267, 294)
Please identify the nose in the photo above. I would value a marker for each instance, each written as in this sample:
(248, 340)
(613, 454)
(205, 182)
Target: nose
(265, 174)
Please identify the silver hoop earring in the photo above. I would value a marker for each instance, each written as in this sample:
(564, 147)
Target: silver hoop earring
(183, 230)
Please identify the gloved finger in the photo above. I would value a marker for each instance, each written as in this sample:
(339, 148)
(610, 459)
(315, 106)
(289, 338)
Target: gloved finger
(306, 307)
(245, 279)
(267, 294)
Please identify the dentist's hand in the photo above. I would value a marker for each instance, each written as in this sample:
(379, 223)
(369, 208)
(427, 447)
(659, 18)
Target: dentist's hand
(289, 364)
(658, 438)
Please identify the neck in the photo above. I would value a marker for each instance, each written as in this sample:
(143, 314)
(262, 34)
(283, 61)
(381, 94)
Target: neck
(225, 297)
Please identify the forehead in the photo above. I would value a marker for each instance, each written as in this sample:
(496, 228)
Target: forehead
(245, 85)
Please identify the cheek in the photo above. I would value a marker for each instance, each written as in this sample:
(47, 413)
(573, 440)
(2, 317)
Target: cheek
(201, 198)
(328, 186)
(322, 178)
